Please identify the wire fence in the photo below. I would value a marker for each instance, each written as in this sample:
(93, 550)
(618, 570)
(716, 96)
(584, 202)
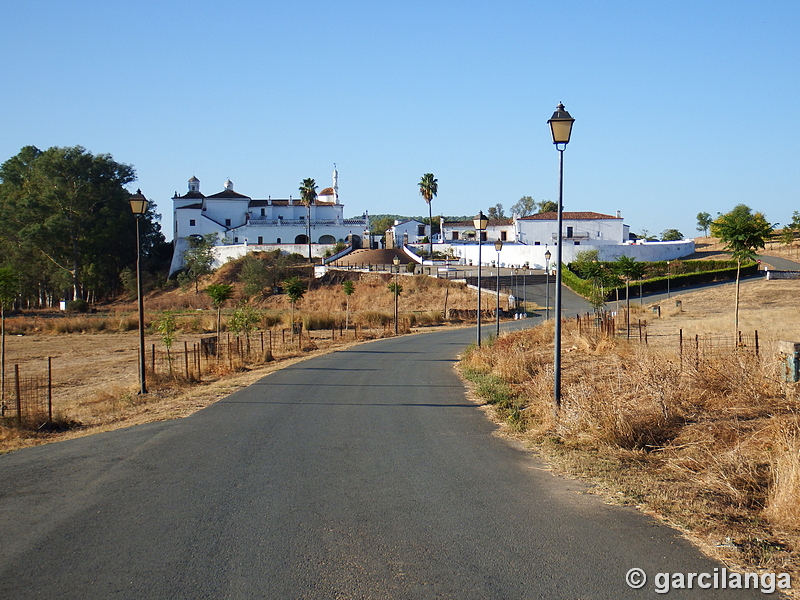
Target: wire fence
(697, 348)
(27, 400)
(192, 361)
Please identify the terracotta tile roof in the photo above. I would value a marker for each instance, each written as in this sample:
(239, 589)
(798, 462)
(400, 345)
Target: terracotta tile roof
(572, 216)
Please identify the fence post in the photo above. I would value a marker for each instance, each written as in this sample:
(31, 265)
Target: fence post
(790, 351)
(186, 358)
(49, 389)
(153, 358)
(19, 398)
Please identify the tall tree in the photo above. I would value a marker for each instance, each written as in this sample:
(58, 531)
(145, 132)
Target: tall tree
(524, 207)
(428, 189)
(198, 259)
(742, 232)
(308, 194)
(9, 286)
(70, 208)
(547, 206)
(704, 221)
(496, 212)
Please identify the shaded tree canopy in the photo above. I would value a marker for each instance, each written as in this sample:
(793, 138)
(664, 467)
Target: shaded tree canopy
(66, 223)
(671, 235)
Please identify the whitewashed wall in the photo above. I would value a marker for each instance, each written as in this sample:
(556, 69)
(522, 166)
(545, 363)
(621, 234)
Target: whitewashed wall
(519, 254)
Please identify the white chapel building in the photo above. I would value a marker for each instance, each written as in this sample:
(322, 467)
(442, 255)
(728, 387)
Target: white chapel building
(242, 223)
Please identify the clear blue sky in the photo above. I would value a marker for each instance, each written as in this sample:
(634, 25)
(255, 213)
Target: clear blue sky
(680, 106)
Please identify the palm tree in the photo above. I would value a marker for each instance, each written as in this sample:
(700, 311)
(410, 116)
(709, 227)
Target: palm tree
(428, 188)
(308, 193)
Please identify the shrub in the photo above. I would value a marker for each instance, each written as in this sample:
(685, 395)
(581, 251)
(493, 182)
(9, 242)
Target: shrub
(79, 305)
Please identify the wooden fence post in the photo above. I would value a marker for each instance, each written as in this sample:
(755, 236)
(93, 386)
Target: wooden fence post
(49, 389)
(186, 358)
(19, 397)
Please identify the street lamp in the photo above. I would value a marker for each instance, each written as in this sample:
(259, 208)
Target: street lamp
(560, 128)
(547, 257)
(139, 208)
(481, 222)
(525, 291)
(396, 261)
(498, 245)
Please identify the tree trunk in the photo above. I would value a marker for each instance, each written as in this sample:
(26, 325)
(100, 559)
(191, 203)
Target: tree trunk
(308, 226)
(430, 239)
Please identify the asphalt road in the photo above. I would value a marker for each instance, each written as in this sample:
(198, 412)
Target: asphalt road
(363, 474)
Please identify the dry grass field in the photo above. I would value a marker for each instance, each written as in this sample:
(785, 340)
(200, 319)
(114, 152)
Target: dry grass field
(709, 444)
(95, 356)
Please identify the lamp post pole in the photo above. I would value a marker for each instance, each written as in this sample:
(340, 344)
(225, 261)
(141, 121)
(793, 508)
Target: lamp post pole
(560, 129)
(139, 206)
(480, 222)
(396, 261)
(524, 291)
(498, 245)
(547, 257)
(669, 276)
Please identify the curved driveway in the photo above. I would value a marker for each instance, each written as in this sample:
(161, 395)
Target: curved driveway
(363, 474)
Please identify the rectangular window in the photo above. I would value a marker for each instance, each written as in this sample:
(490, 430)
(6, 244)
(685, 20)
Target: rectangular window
(503, 235)
(236, 240)
(537, 243)
(483, 236)
(569, 232)
(260, 239)
(455, 235)
(262, 212)
(191, 223)
(420, 230)
(227, 222)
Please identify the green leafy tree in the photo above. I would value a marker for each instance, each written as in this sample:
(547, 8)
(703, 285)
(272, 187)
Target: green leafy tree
(546, 206)
(254, 275)
(198, 259)
(524, 207)
(295, 289)
(243, 321)
(496, 212)
(704, 221)
(630, 270)
(308, 195)
(428, 189)
(743, 233)
(348, 287)
(67, 209)
(220, 293)
(166, 328)
(671, 235)
(9, 286)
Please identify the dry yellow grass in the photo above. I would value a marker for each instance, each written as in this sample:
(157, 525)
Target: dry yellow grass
(712, 446)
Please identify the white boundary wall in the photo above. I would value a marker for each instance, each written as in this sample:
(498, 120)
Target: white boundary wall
(515, 255)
